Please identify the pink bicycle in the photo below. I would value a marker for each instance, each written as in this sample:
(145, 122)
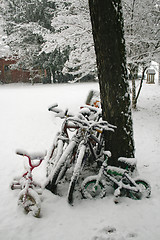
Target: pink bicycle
(29, 197)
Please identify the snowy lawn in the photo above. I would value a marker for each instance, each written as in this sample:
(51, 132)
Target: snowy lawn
(25, 123)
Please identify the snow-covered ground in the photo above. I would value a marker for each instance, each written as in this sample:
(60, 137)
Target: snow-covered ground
(25, 123)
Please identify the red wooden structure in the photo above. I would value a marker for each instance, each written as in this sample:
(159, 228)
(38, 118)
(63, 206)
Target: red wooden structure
(10, 75)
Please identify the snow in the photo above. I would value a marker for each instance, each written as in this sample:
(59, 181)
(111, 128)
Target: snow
(27, 124)
(130, 161)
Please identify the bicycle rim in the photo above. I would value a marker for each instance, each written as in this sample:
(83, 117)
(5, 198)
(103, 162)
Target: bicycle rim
(76, 172)
(92, 190)
(144, 193)
(30, 202)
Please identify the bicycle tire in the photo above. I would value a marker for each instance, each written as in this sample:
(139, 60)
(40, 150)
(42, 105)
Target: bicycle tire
(66, 165)
(70, 191)
(55, 155)
(76, 172)
(87, 190)
(30, 201)
(52, 182)
(145, 190)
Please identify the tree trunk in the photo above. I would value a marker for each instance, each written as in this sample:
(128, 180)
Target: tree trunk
(51, 75)
(107, 27)
(133, 76)
(133, 93)
(140, 87)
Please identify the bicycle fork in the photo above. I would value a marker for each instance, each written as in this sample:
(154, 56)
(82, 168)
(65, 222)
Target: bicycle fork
(76, 172)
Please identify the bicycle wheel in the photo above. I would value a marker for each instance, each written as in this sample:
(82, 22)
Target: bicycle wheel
(91, 190)
(76, 172)
(55, 155)
(144, 193)
(52, 181)
(30, 201)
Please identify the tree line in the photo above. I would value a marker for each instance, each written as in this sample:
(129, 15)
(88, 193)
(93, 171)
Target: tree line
(56, 37)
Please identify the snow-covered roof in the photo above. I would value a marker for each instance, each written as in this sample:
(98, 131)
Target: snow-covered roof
(151, 71)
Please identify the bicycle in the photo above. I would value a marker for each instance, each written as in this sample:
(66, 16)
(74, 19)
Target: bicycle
(60, 143)
(28, 197)
(62, 137)
(93, 98)
(118, 179)
(81, 142)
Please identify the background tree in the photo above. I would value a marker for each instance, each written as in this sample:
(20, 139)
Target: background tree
(107, 25)
(27, 24)
(73, 28)
(61, 25)
(52, 64)
(142, 38)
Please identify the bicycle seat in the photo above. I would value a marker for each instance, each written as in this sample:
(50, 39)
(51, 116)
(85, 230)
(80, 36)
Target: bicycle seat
(128, 161)
(32, 156)
(107, 153)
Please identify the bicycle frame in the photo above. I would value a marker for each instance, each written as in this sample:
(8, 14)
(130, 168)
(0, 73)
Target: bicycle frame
(27, 176)
(62, 138)
(28, 197)
(89, 140)
(63, 134)
(96, 152)
(81, 159)
(124, 182)
(84, 136)
(73, 144)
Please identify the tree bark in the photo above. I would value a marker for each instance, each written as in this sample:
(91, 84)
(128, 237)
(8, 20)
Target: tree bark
(134, 76)
(140, 87)
(133, 93)
(107, 28)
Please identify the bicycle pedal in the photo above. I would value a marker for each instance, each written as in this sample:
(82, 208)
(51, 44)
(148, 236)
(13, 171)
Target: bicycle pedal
(39, 191)
(116, 200)
(16, 186)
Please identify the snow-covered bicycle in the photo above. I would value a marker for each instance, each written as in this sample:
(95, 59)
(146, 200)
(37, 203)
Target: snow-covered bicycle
(61, 139)
(117, 178)
(29, 197)
(82, 141)
(88, 144)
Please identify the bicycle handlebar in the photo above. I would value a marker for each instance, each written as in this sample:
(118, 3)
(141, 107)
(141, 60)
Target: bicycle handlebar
(60, 113)
(81, 120)
(92, 125)
(92, 109)
(52, 108)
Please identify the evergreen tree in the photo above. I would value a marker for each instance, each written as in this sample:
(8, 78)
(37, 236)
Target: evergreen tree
(27, 24)
(60, 23)
(73, 28)
(142, 38)
(26, 11)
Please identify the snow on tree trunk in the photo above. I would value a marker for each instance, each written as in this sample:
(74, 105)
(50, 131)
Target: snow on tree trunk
(107, 27)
